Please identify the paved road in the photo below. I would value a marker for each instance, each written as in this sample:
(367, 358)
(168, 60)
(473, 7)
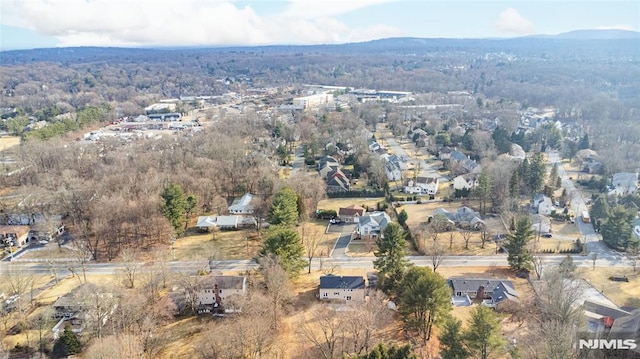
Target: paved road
(578, 204)
(342, 262)
(298, 160)
(427, 169)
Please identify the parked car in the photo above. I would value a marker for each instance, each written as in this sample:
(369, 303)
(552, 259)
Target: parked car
(547, 235)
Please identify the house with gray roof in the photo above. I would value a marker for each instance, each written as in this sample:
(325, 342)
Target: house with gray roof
(624, 183)
(628, 327)
(242, 205)
(496, 293)
(212, 292)
(371, 225)
(348, 288)
(463, 217)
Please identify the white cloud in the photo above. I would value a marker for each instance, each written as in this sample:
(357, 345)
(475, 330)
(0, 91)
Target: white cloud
(511, 21)
(187, 22)
(617, 27)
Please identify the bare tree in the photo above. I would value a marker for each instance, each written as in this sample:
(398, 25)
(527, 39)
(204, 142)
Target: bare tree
(485, 236)
(325, 330)
(311, 244)
(437, 254)
(125, 346)
(99, 303)
(278, 286)
(594, 257)
(538, 265)
(129, 268)
(82, 255)
(466, 236)
(362, 323)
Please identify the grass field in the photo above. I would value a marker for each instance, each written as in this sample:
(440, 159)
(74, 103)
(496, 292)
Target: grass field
(621, 293)
(337, 203)
(8, 142)
(226, 245)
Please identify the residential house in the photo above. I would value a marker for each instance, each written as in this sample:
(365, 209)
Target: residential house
(496, 293)
(16, 235)
(370, 226)
(460, 163)
(351, 214)
(628, 327)
(337, 181)
(216, 290)
(327, 161)
(465, 182)
(517, 151)
(444, 153)
(226, 222)
(463, 217)
(624, 183)
(601, 316)
(347, 288)
(242, 205)
(540, 223)
(542, 204)
(421, 185)
(72, 309)
(393, 171)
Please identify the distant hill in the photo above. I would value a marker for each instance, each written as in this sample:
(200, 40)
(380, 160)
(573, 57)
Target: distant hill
(609, 34)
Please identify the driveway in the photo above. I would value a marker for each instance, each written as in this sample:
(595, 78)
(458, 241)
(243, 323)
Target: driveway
(345, 230)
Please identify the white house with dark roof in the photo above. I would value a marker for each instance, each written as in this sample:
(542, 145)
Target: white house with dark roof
(467, 181)
(370, 226)
(242, 205)
(348, 288)
(421, 185)
(542, 204)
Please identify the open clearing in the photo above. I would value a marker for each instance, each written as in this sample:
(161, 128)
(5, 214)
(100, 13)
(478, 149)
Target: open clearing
(8, 142)
(624, 294)
(337, 203)
(239, 244)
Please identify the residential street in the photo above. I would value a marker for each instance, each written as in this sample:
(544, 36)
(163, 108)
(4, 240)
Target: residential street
(578, 204)
(365, 263)
(427, 170)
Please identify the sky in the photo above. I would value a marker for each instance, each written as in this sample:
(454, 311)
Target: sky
(28, 24)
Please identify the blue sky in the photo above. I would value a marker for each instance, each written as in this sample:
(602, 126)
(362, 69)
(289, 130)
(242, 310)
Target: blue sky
(50, 23)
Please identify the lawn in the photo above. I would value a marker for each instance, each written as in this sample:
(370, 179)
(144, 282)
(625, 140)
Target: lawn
(8, 142)
(241, 244)
(337, 203)
(621, 293)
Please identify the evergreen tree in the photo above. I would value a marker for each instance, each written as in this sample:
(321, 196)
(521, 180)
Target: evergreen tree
(390, 262)
(284, 243)
(537, 172)
(519, 257)
(500, 137)
(483, 190)
(284, 208)
(67, 344)
(584, 143)
(600, 209)
(553, 176)
(425, 299)
(616, 229)
(514, 185)
(484, 335)
(174, 206)
(452, 340)
(402, 217)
